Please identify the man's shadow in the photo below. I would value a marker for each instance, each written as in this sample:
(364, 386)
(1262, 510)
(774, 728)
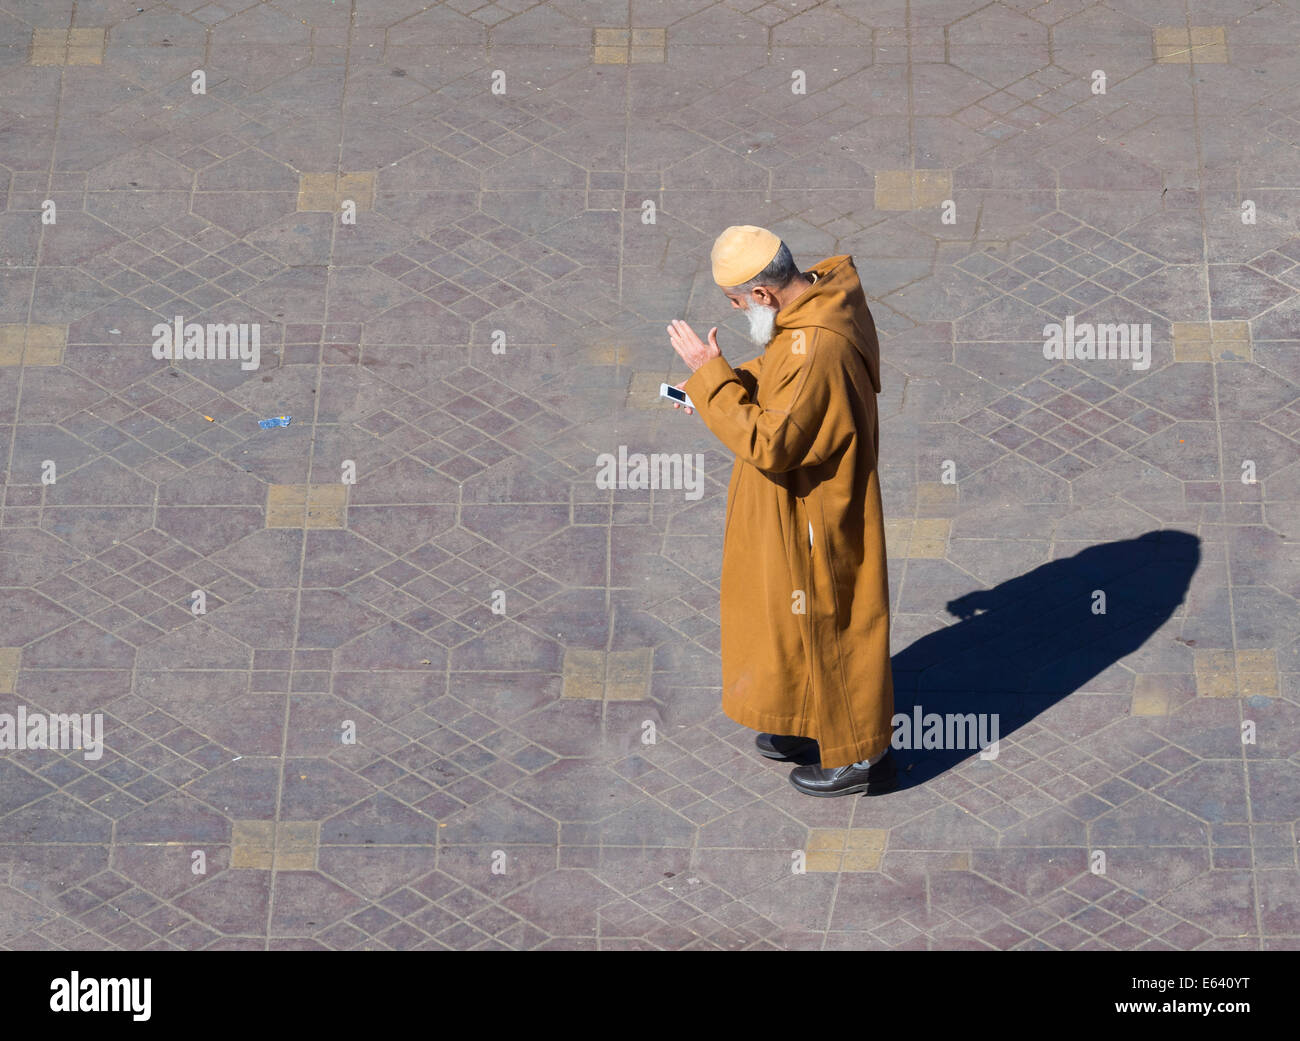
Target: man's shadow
(1022, 646)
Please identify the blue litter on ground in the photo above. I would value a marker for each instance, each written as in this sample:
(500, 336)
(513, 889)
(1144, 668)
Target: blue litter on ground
(275, 421)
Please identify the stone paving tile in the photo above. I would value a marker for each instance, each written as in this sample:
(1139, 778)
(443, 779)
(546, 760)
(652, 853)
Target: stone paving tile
(79, 46)
(403, 676)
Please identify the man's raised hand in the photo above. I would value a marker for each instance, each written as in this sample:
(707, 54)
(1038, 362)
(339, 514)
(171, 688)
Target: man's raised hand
(694, 351)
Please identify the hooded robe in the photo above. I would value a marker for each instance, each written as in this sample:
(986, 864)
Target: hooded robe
(805, 590)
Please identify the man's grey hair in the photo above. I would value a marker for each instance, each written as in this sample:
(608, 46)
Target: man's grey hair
(778, 274)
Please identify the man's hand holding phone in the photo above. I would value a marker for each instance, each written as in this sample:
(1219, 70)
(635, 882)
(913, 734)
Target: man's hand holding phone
(692, 350)
(677, 395)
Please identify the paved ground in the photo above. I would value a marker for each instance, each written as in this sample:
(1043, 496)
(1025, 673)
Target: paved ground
(441, 689)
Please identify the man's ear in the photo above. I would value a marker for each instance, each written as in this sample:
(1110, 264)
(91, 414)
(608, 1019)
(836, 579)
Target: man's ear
(763, 296)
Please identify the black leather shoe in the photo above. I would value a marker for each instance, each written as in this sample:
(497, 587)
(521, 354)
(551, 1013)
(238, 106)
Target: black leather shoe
(779, 746)
(846, 780)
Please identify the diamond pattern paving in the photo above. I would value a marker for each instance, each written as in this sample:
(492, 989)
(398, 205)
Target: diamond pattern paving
(403, 675)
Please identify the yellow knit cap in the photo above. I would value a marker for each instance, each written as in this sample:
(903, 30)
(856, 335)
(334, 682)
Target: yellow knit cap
(741, 252)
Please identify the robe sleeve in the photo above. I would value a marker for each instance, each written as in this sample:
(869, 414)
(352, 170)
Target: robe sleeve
(749, 372)
(779, 437)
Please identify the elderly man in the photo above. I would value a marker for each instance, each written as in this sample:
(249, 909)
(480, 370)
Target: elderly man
(805, 593)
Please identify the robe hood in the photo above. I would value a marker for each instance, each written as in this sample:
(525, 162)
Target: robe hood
(836, 301)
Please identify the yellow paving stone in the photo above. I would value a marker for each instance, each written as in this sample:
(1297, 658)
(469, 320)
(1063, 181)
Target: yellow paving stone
(296, 843)
(862, 860)
(32, 344)
(49, 46)
(1257, 661)
(325, 517)
(291, 834)
(1191, 341)
(86, 46)
(1230, 331)
(81, 46)
(616, 46)
(912, 189)
(316, 191)
(286, 514)
(628, 674)
(359, 187)
(863, 849)
(826, 839)
(1208, 36)
(866, 838)
(286, 494)
(1171, 43)
(1257, 674)
(252, 844)
(935, 493)
(1215, 674)
(1231, 337)
(608, 356)
(306, 506)
(1150, 696)
(1212, 341)
(898, 536)
(584, 674)
(327, 494)
(286, 846)
(46, 335)
(844, 849)
(930, 188)
(615, 676)
(891, 199)
(252, 857)
(894, 190)
(828, 860)
(285, 517)
(1191, 331)
(1150, 703)
(930, 538)
(49, 55)
(295, 860)
(1217, 686)
(12, 340)
(1201, 45)
(1256, 684)
(45, 344)
(326, 192)
(1242, 675)
(9, 657)
(42, 355)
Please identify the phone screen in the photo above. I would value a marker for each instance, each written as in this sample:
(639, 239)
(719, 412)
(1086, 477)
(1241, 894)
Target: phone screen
(676, 395)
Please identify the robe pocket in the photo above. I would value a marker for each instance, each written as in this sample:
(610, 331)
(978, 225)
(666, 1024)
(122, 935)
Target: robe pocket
(803, 512)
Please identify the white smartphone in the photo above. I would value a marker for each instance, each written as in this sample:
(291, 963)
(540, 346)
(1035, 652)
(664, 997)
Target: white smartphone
(673, 394)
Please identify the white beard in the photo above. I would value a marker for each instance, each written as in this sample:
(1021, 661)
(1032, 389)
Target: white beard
(762, 323)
